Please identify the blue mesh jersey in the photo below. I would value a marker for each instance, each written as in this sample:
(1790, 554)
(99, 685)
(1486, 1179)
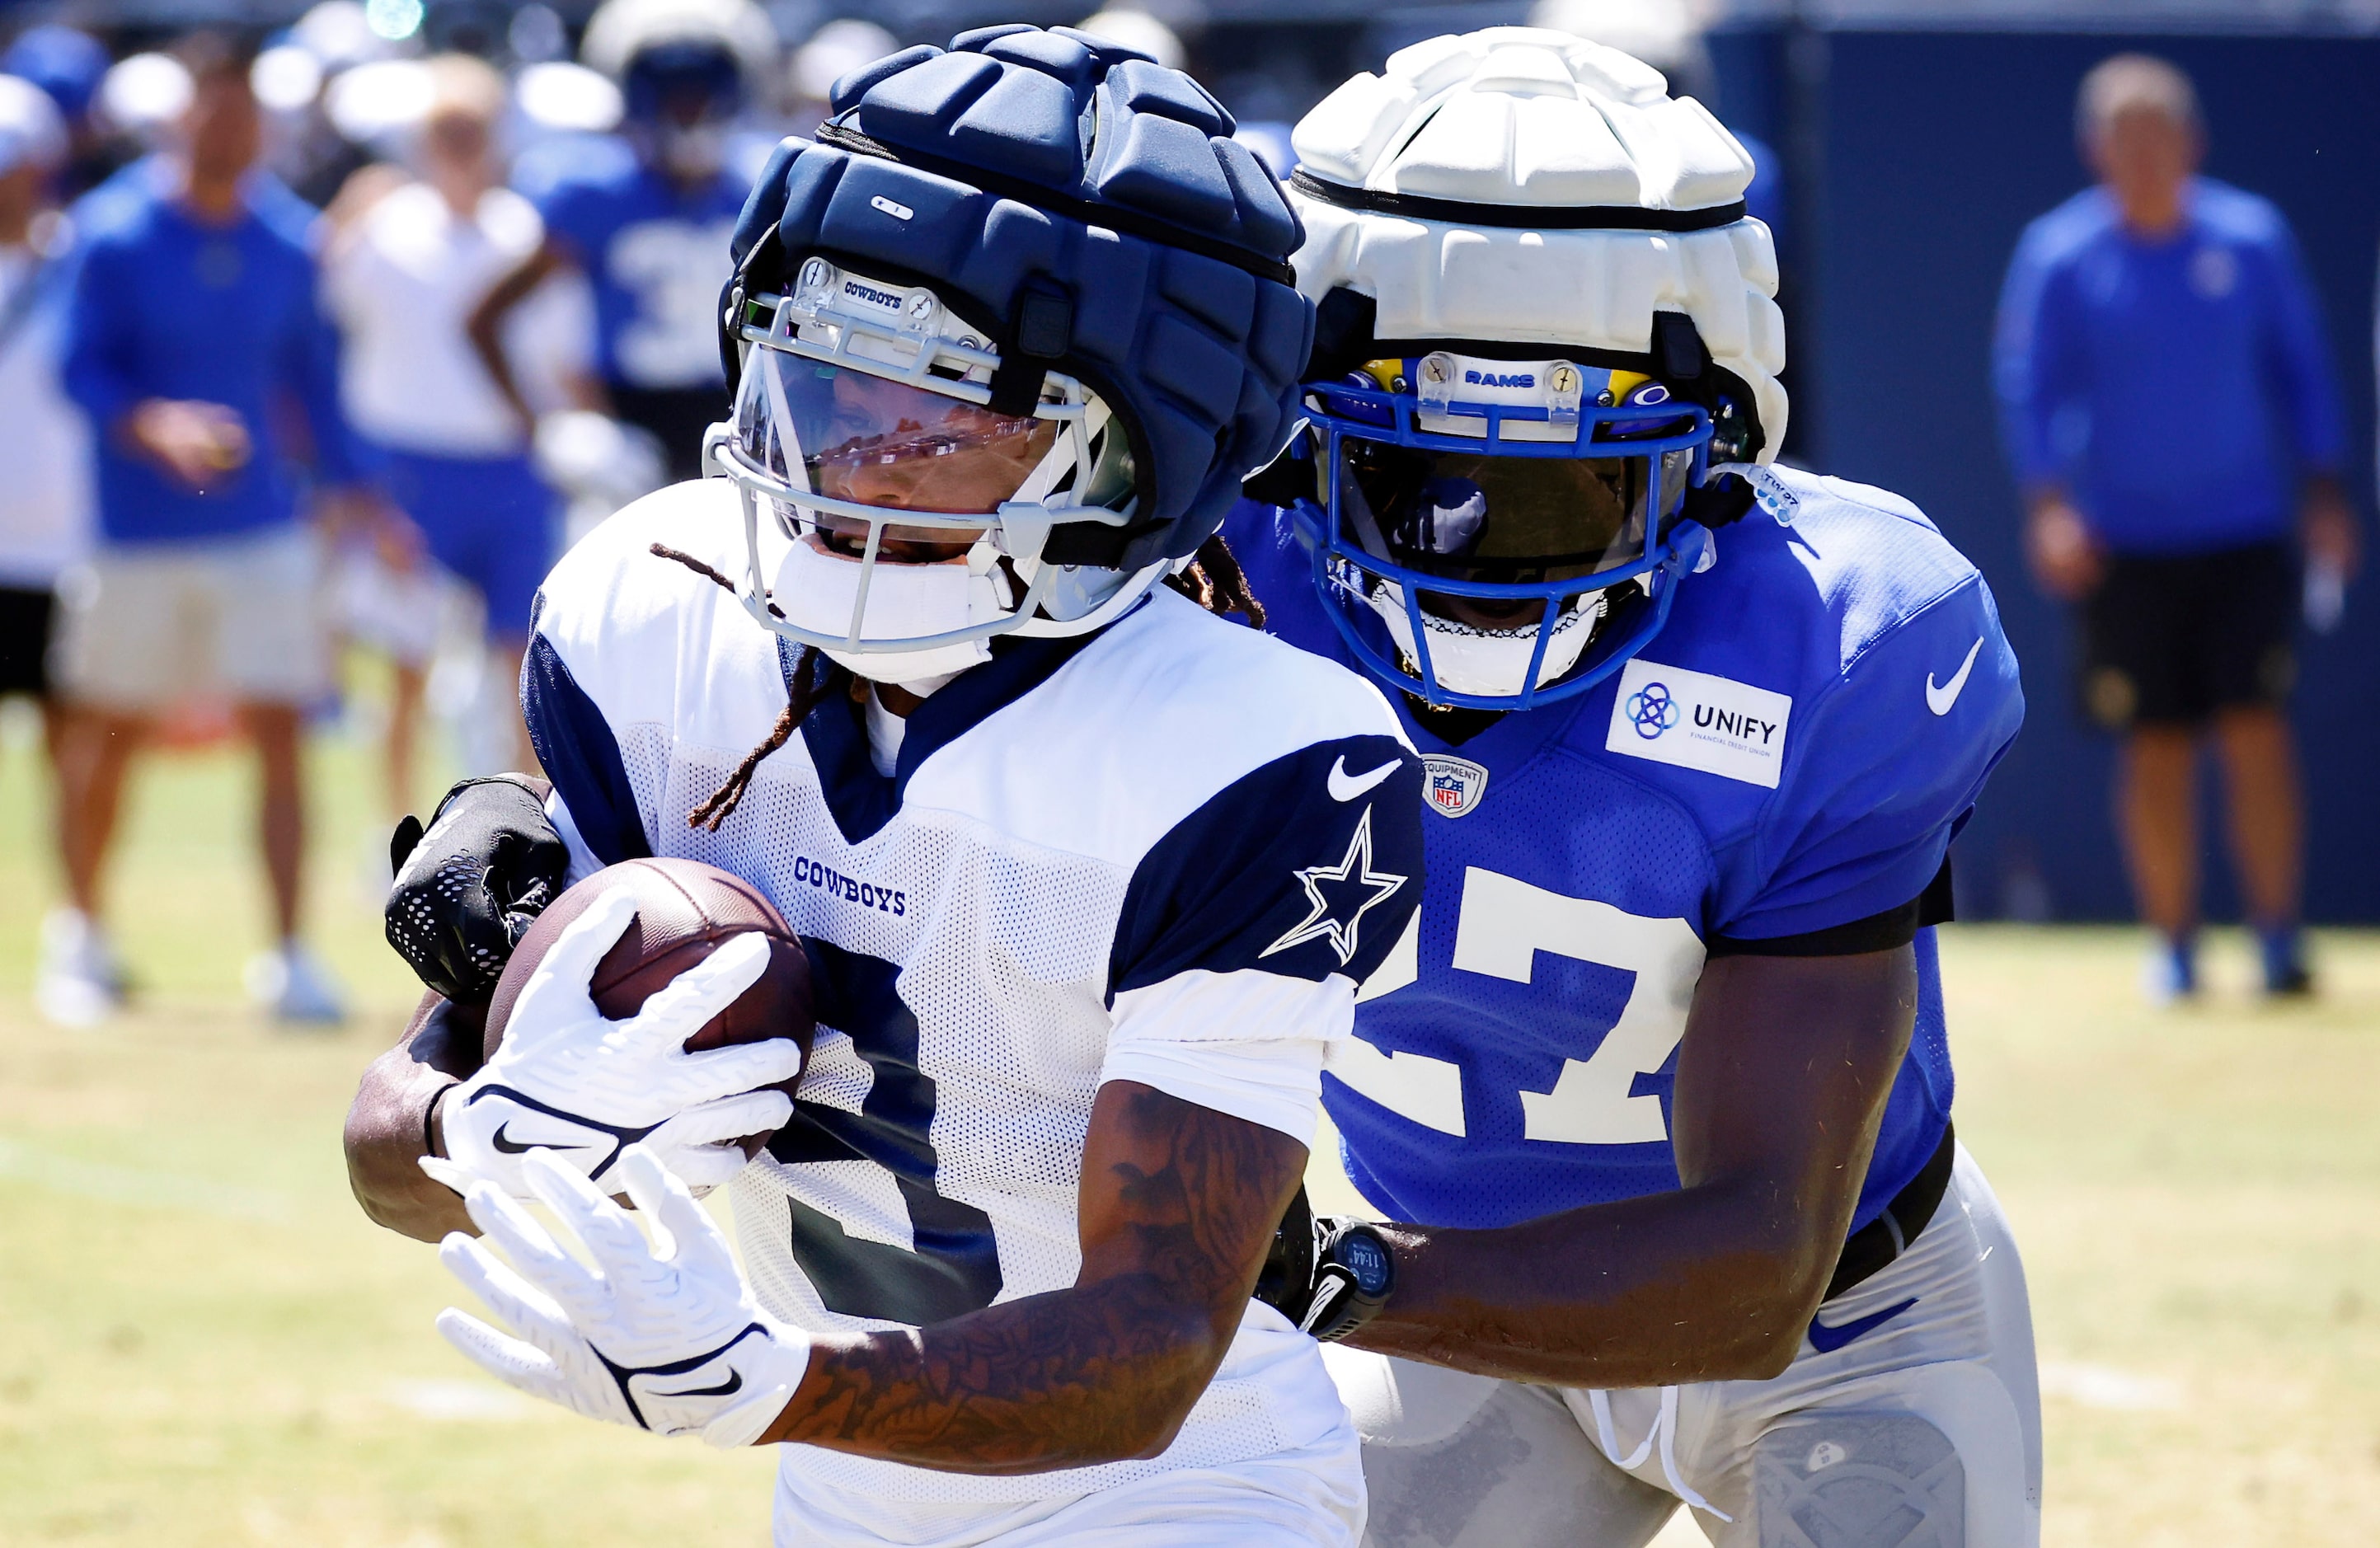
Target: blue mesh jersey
(656, 254)
(1793, 753)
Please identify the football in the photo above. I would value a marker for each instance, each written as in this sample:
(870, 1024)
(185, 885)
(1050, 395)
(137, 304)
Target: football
(685, 911)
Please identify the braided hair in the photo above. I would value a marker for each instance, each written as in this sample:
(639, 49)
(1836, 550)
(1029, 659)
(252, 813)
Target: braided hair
(1213, 579)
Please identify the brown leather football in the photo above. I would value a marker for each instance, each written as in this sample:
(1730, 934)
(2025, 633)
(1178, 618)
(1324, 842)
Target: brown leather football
(685, 911)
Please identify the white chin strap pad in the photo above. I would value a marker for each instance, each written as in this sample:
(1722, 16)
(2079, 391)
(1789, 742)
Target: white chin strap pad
(1490, 662)
(819, 591)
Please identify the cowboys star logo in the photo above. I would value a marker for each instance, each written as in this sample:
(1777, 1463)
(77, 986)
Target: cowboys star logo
(1338, 896)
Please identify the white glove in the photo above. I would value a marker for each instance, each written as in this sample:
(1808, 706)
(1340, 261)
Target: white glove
(569, 1082)
(664, 1337)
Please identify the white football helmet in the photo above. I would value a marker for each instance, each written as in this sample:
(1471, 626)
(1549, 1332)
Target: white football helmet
(687, 69)
(1545, 319)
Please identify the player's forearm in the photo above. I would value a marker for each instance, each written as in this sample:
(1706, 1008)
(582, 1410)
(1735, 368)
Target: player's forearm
(389, 1125)
(1096, 1373)
(1178, 1205)
(1709, 1284)
(1782, 1079)
(484, 328)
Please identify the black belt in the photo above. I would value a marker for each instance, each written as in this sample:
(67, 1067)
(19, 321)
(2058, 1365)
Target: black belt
(1888, 1235)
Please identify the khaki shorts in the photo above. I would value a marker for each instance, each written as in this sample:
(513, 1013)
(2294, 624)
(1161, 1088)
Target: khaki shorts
(147, 626)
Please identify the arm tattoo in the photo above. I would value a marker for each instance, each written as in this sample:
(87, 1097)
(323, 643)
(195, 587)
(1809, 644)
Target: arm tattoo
(1178, 1205)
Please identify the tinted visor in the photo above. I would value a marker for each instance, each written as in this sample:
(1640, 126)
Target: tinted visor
(841, 432)
(1510, 520)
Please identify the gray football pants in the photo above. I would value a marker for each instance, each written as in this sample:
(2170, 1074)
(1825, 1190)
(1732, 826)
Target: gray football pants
(1923, 1431)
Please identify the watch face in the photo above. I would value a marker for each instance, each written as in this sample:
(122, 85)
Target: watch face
(1365, 1258)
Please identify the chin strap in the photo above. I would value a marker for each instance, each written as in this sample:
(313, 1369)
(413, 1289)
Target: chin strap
(1723, 497)
(1283, 481)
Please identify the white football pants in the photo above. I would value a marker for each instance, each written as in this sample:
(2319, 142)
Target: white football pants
(1291, 1499)
(1922, 1429)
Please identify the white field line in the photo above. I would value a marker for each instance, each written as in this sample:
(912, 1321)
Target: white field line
(139, 1186)
(449, 1401)
(2104, 1386)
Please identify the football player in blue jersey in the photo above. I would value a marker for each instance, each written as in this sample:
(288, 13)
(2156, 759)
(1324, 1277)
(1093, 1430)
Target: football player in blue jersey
(1087, 876)
(1656, 1093)
(646, 217)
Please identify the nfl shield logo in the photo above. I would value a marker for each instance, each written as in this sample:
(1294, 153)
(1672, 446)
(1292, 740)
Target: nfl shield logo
(1454, 785)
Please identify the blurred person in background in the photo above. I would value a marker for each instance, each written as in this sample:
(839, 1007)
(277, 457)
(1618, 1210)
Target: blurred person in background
(832, 52)
(2168, 405)
(410, 257)
(138, 113)
(44, 450)
(1136, 27)
(647, 216)
(69, 64)
(196, 346)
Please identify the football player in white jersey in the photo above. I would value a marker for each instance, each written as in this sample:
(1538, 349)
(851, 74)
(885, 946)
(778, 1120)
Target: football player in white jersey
(1088, 876)
(1661, 1107)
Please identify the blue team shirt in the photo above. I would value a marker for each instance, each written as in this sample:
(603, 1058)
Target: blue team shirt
(162, 306)
(656, 254)
(1771, 765)
(2178, 388)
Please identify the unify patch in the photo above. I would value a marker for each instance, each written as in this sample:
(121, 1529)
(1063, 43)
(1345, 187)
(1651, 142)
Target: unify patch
(1696, 721)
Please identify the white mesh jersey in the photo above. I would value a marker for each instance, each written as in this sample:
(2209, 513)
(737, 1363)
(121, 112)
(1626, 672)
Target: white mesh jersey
(1169, 852)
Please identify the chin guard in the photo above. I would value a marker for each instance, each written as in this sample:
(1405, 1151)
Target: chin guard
(1719, 501)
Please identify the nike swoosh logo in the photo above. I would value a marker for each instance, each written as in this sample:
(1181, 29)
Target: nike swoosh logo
(1826, 1341)
(734, 1384)
(1344, 786)
(513, 1147)
(1940, 700)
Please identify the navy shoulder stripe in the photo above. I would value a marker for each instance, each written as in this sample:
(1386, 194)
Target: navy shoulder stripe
(1308, 866)
(581, 756)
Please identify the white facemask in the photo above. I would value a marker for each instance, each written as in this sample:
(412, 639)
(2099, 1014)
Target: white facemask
(1490, 662)
(818, 589)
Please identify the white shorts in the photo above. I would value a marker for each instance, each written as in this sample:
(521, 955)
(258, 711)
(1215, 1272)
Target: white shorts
(1291, 1499)
(396, 612)
(148, 626)
(1923, 1429)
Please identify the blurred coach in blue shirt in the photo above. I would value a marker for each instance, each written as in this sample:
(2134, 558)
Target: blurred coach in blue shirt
(2169, 407)
(195, 344)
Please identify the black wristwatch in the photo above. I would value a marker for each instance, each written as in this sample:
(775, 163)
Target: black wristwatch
(1354, 1274)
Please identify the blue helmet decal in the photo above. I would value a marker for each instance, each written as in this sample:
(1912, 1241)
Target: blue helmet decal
(1088, 211)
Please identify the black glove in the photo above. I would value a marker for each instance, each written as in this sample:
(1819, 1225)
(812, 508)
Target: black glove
(467, 889)
(1328, 1274)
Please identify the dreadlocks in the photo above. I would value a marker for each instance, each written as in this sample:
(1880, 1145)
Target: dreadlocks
(1213, 579)
(805, 686)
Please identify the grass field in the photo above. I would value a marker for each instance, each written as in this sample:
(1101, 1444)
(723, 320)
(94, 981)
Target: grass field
(202, 1343)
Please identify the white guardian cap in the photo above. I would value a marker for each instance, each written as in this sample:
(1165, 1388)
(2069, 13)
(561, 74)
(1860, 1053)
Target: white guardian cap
(1545, 319)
